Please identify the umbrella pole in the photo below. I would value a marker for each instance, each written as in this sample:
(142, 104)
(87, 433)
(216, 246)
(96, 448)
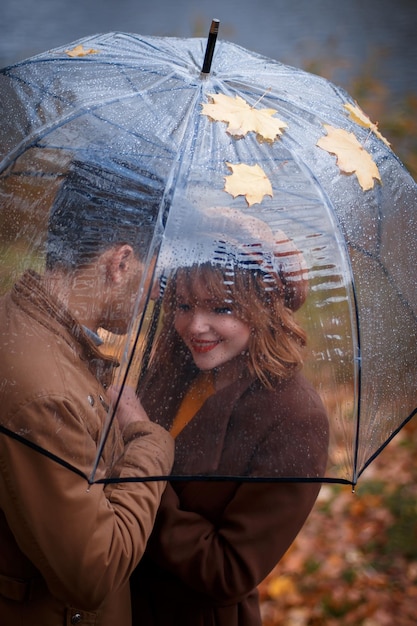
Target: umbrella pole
(211, 42)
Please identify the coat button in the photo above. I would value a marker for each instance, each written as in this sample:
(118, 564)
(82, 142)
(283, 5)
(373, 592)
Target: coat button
(103, 403)
(76, 618)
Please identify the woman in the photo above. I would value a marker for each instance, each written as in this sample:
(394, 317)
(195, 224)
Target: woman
(226, 382)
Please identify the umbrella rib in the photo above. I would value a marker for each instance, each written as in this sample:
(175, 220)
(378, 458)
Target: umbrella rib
(222, 478)
(176, 164)
(124, 381)
(359, 389)
(47, 453)
(386, 442)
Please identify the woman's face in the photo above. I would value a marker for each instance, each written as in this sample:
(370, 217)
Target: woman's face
(208, 326)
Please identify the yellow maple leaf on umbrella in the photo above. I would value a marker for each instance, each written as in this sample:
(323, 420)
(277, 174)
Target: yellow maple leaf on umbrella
(79, 51)
(243, 118)
(352, 158)
(249, 181)
(358, 116)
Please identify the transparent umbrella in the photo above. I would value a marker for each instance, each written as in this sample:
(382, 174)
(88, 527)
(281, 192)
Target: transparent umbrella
(199, 129)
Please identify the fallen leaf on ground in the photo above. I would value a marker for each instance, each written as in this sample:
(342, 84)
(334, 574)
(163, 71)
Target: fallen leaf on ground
(281, 586)
(352, 158)
(249, 181)
(243, 118)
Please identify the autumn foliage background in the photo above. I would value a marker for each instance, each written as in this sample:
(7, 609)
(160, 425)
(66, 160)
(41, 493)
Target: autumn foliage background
(355, 561)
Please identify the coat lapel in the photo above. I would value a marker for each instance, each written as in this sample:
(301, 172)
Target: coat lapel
(199, 447)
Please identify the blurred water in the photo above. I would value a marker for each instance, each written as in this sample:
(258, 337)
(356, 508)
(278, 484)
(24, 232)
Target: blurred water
(290, 31)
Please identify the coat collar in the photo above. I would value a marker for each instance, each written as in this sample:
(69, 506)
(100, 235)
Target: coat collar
(29, 294)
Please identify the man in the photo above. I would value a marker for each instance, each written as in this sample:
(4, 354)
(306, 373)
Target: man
(67, 549)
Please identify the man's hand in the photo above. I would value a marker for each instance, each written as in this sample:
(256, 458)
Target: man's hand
(129, 408)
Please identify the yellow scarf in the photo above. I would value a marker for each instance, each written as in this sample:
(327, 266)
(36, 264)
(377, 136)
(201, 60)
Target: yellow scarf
(201, 388)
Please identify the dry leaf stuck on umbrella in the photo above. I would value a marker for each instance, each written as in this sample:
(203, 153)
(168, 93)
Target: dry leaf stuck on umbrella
(352, 158)
(242, 118)
(358, 116)
(79, 51)
(249, 181)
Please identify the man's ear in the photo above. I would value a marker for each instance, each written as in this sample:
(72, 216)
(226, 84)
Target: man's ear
(118, 262)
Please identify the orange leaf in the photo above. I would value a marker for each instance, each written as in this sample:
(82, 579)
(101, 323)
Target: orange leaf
(357, 115)
(249, 181)
(281, 586)
(79, 51)
(352, 158)
(243, 118)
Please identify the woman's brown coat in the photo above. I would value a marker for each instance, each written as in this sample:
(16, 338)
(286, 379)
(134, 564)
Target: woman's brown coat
(214, 542)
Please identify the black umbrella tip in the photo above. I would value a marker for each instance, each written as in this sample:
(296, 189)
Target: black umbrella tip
(211, 42)
(214, 28)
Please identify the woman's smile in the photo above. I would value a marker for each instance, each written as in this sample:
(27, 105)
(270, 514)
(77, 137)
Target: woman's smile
(202, 346)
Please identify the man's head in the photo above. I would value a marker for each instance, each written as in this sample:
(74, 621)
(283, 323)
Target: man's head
(100, 205)
(100, 229)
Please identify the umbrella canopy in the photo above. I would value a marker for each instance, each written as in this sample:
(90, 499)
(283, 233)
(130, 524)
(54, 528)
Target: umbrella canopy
(247, 137)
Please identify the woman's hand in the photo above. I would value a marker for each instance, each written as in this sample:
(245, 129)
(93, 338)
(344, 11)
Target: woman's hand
(129, 407)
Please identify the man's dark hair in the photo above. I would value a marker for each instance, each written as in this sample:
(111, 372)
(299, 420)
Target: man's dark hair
(100, 205)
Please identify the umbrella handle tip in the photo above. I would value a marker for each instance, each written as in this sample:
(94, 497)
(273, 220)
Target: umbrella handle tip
(211, 43)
